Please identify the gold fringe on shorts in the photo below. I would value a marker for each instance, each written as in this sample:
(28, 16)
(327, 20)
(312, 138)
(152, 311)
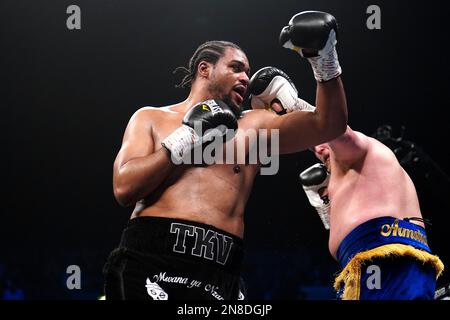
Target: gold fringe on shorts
(350, 277)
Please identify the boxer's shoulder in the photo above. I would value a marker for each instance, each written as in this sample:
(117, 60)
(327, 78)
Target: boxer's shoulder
(156, 115)
(160, 111)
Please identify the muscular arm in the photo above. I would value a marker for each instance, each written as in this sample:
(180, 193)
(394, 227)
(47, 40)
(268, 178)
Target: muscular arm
(301, 130)
(349, 147)
(138, 169)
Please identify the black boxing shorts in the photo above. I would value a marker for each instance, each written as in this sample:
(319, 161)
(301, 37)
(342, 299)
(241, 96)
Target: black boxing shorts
(174, 259)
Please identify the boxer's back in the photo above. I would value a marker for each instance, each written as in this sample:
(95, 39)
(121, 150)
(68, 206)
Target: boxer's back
(374, 186)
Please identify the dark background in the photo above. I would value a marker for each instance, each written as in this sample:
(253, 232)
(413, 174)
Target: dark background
(67, 95)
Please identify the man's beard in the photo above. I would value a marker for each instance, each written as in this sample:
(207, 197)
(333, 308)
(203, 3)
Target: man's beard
(237, 109)
(217, 93)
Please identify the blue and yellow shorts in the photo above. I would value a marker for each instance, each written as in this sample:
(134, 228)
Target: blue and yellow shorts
(387, 259)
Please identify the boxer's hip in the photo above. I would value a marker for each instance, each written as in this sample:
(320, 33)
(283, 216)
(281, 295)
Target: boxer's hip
(163, 258)
(396, 249)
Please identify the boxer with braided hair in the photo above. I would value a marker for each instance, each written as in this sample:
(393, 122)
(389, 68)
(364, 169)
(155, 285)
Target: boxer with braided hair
(184, 238)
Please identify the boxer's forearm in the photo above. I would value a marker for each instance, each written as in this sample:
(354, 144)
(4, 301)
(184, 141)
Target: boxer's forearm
(138, 178)
(301, 130)
(331, 105)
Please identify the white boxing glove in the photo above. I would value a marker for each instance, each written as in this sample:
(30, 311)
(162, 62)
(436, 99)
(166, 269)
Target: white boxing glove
(314, 180)
(269, 84)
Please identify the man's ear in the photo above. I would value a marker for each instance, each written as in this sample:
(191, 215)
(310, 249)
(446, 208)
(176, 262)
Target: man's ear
(204, 69)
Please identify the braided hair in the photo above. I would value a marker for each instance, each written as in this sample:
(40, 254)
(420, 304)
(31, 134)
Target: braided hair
(210, 51)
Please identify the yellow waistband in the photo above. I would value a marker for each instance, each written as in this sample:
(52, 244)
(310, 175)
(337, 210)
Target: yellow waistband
(351, 275)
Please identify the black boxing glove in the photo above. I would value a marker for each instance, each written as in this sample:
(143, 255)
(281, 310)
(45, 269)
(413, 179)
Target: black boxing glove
(201, 124)
(313, 34)
(269, 84)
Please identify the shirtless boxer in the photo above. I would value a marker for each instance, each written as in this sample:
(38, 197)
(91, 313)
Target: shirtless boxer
(184, 238)
(370, 205)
